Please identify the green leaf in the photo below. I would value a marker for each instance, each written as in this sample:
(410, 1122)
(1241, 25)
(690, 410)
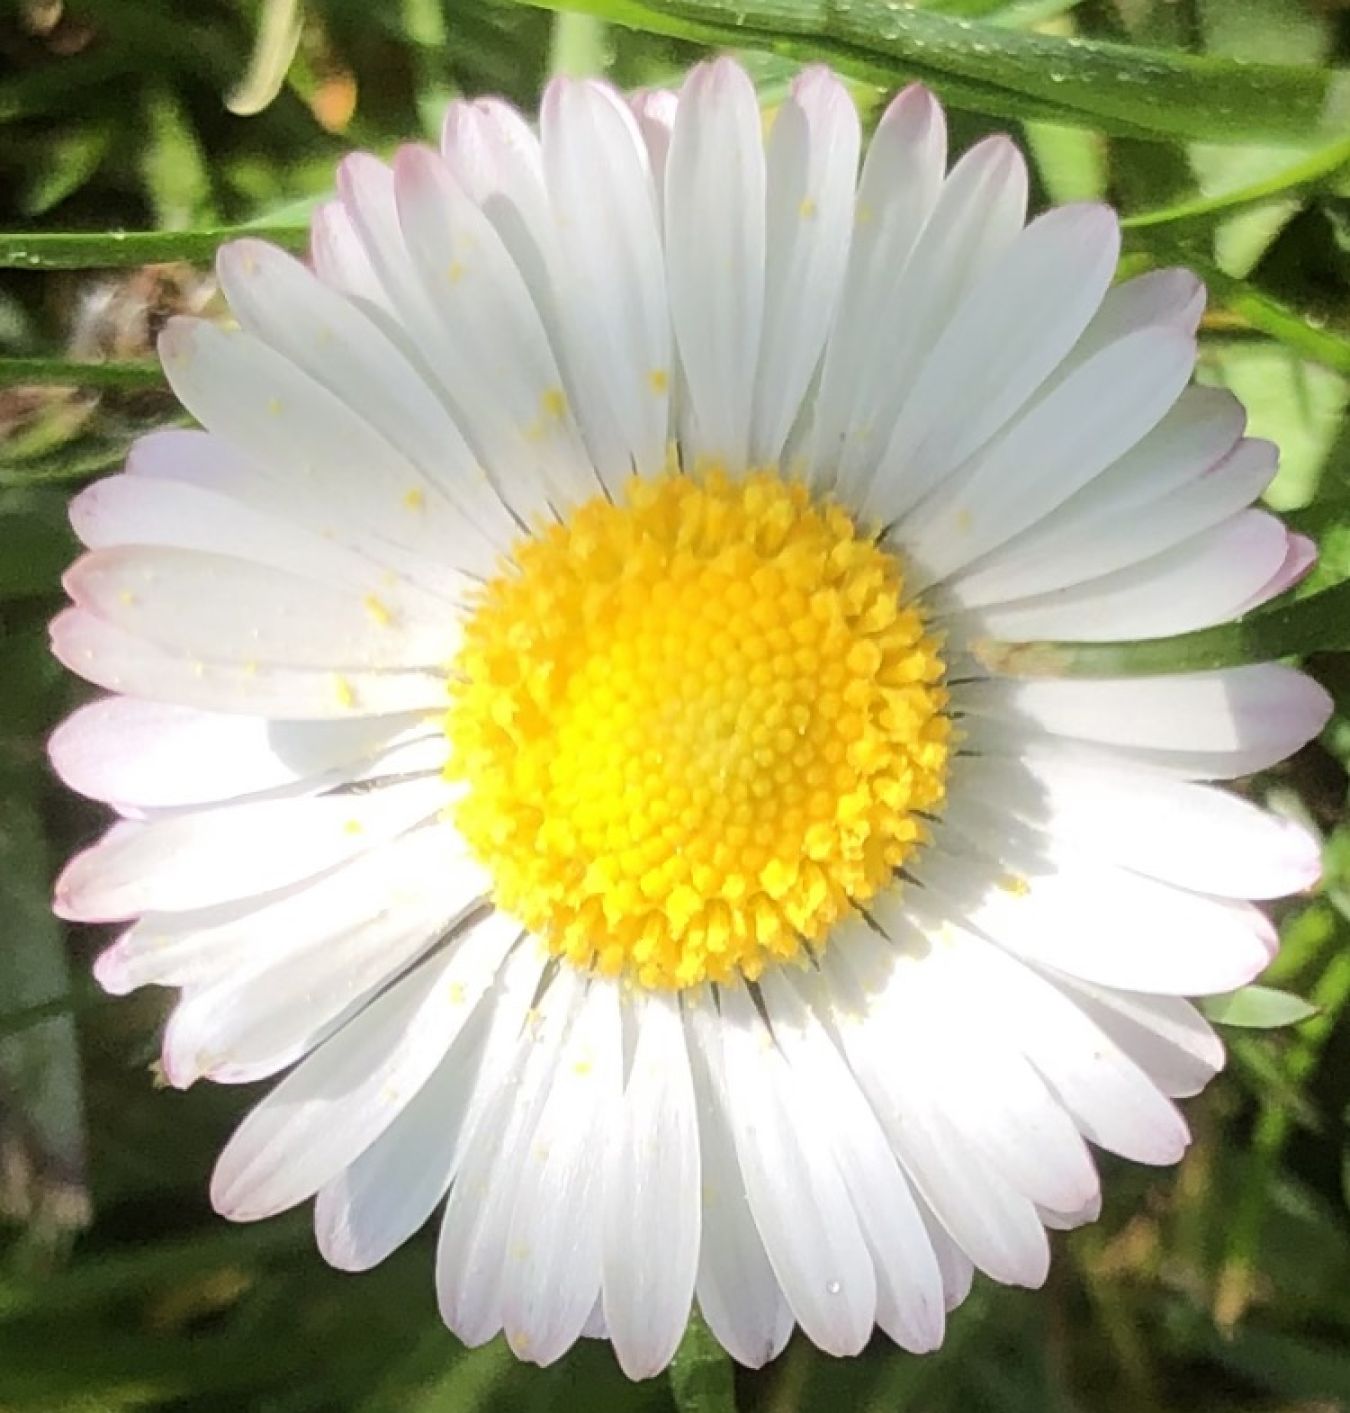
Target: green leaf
(701, 1376)
(122, 250)
(1257, 1008)
(1318, 623)
(1297, 404)
(1114, 87)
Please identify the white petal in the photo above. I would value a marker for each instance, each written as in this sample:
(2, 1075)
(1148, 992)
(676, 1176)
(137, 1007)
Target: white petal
(152, 755)
(738, 1293)
(1057, 445)
(995, 1226)
(991, 1100)
(1188, 473)
(150, 510)
(487, 342)
(1061, 907)
(812, 161)
(326, 1113)
(257, 515)
(1005, 338)
(715, 243)
(495, 157)
(901, 178)
(595, 1326)
(481, 453)
(651, 1188)
(307, 437)
(1202, 581)
(472, 1254)
(799, 1201)
(252, 1021)
(979, 213)
(609, 280)
(1233, 721)
(1164, 1035)
(1299, 559)
(654, 110)
(1109, 1097)
(210, 856)
(121, 662)
(553, 1253)
(958, 1270)
(910, 1306)
(1191, 835)
(1172, 299)
(275, 298)
(340, 260)
(213, 606)
(373, 1206)
(203, 947)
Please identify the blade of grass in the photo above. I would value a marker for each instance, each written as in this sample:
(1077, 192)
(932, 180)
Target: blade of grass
(1310, 172)
(120, 250)
(1096, 83)
(1318, 623)
(116, 377)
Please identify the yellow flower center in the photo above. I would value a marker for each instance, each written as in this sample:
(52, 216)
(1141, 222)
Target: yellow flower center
(695, 728)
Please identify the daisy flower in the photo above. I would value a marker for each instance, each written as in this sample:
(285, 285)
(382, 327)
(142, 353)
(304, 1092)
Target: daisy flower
(551, 717)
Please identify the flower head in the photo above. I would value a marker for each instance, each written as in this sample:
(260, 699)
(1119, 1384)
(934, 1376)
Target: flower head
(551, 712)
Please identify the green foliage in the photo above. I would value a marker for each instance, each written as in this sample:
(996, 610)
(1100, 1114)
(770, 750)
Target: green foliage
(1222, 132)
(1258, 1008)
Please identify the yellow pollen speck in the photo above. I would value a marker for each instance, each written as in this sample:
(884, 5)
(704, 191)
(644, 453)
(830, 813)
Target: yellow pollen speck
(454, 271)
(694, 728)
(250, 668)
(807, 209)
(964, 519)
(414, 499)
(658, 380)
(1015, 884)
(352, 826)
(553, 402)
(864, 215)
(378, 610)
(342, 690)
(274, 406)
(126, 597)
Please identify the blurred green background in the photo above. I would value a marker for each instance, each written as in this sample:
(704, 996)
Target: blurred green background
(1224, 1285)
